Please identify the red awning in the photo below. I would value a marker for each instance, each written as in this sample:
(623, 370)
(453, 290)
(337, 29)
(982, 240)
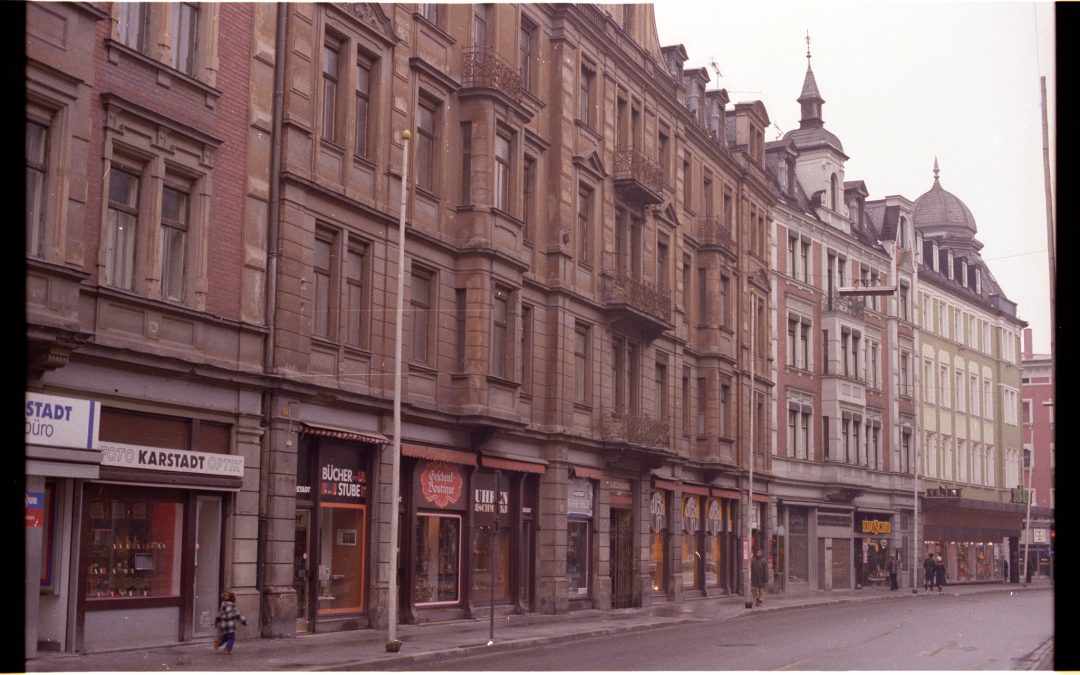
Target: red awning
(347, 434)
(582, 472)
(438, 454)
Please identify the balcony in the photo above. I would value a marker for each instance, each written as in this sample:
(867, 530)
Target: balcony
(712, 232)
(481, 67)
(635, 429)
(847, 304)
(637, 178)
(635, 305)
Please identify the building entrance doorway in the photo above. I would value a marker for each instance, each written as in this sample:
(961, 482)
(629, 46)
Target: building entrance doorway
(622, 558)
(302, 570)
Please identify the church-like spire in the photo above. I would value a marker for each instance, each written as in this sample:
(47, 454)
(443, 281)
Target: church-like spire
(810, 99)
(936, 171)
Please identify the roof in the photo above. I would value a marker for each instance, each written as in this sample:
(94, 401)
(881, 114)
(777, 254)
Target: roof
(939, 211)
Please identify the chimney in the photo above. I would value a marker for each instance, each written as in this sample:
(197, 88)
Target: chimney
(1027, 343)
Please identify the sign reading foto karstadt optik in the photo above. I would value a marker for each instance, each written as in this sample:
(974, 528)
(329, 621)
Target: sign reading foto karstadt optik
(168, 459)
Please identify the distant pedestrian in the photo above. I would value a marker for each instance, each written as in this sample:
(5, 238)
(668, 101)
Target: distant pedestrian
(759, 574)
(1005, 570)
(225, 621)
(893, 567)
(939, 573)
(928, 566)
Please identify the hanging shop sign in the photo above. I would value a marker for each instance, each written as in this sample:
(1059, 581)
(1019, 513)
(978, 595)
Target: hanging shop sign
(442, 485)
(167, 459)
(342, 478)
(579, 498)
(61, 422)
(483, 491)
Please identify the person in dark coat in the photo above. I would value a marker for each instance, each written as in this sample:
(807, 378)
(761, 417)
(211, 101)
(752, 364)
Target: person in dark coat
(939, 573)
(893, 567)
(928, 566)
(759, 575)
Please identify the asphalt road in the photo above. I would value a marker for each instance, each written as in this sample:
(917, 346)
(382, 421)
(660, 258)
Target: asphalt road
(986, 631)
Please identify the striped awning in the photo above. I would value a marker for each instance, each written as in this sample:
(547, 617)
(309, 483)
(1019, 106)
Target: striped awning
(511, 464)
(372, 437)
(582, 472)
(438, 454)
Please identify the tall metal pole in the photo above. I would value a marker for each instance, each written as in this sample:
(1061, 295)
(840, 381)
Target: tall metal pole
(392, 643)
(915, 369)
(1051, 233)
(748, 546)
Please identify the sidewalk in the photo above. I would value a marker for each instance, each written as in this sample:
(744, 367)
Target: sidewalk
(366, 649)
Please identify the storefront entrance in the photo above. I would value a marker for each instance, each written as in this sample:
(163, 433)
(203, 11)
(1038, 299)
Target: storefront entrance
(622, 558)
(302, 569)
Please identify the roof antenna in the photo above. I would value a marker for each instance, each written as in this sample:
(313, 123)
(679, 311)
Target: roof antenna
(807, 47)
(716, 69)
(779, 131)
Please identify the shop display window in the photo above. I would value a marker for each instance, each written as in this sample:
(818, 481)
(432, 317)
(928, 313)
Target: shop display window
(341, 558)
(657, 571)
(481, 566)
(48, 539)
(134, 548)
(712, 561)
(577, 556)
(438, 559)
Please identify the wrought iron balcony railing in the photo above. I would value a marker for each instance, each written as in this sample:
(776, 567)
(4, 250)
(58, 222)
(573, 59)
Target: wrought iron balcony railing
(641, 296)
(636, 429)
(851, 304)
(482, 67)
(712, 232)
(637, 172)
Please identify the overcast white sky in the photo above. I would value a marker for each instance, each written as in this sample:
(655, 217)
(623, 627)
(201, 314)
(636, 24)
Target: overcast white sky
(903, 83)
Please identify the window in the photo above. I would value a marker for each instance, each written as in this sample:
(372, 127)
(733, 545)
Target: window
(688, 185)
(725, 409)
(685, 402)
(480, 26)
(174, 229)
(581, 364)
(686, 265)
(663, 151)
(793, 425)
(973, 389)
(904, 302)
(988, 400)
(526, 48)
(1027, 411)
(355, 317)
(701, 406)
(577, 555)
(123, 216)
(528, 198)
(586, 103)
(324, 275)
(501, 355)
(425, 144)
(802, 450)
(429, 11)
(460, 314)
(944, 397)
(662, 408)
(584, 217)
(929, 390)
(707, 194)
(792, 245)
(185, 27)
(466, 162)
(526, 348)
(873, 374)
(1010, 404)
(37, 153)
(502, 172)
(906, 389)
(420, 307)
(133, 25)
(961, 393)
(725, 284)
(330, 77)
(437, 559)
(663, 263)
(703, 296)
(364, 68)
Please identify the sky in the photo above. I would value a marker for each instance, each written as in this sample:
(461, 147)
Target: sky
(906, 82)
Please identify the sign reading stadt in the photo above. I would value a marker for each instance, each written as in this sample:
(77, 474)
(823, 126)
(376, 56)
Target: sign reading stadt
(61, 422)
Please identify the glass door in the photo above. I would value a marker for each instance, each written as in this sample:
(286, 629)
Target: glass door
(302, 570)
(207, 563)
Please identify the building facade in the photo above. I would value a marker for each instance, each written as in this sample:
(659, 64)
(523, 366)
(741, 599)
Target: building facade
(211, 291)
(143, 384)
(1037, 392)
(844, 335)
(970, 408)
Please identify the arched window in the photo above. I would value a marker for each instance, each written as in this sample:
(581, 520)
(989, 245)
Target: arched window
(834, 193)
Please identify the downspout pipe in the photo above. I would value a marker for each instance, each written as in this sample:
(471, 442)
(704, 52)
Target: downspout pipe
(272, 229)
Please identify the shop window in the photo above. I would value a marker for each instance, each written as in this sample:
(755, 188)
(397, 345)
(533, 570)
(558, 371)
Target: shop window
(49, 529)
(691, 543)
(134, 547)
(658, 542)
(577, 556)
(438, 562)
(341, 558)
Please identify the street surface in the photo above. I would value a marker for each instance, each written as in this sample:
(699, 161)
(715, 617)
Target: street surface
(985, 631)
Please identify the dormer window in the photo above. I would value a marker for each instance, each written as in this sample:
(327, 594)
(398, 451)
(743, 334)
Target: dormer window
(834, 193)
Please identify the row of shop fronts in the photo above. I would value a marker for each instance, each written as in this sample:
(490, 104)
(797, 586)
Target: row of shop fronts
(137, 520)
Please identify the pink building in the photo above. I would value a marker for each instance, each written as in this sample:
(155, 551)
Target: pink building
(1038, 412)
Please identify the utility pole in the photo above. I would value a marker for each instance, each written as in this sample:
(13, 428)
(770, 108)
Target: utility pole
(748, 545)
(392, 643)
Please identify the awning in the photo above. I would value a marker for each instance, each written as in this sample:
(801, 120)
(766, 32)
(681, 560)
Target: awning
(582, 472)
(511, 465)
(438, 454)
(372, 437)
(728, 494)
(695, 489)
(664, 484)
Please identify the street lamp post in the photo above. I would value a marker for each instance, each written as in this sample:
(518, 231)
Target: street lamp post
(392, 643)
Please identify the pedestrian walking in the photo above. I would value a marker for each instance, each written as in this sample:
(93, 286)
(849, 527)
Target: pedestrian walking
(1005, 570)
(893, 567)
(759, 574)
(939, 573)
(225, 621)
(928, 566)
